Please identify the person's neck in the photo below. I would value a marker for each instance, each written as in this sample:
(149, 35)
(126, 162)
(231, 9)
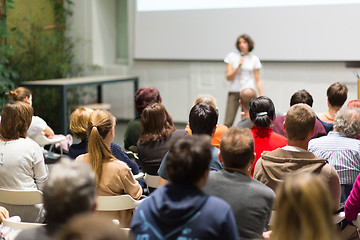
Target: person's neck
(297, 143)
(240, 170)
(332, 111)
(246, 113)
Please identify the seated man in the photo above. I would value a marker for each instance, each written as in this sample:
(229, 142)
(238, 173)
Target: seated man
(250, 200)
(203, 118)
(272, 166)
(341, 148)
(245, 97)
(70, 190)
(336, 97)
(301, 96)
(180, 210)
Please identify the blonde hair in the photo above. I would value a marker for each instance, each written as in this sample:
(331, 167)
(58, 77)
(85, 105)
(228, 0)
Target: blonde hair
(303, 209)
(205, 98)
(79, 122)
(100, 124)
(19, 94)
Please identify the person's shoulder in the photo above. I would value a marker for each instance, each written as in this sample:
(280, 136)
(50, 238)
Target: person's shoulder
(261, 188)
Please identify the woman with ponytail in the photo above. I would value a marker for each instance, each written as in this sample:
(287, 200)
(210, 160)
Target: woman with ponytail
(114, 177)
(262, 114)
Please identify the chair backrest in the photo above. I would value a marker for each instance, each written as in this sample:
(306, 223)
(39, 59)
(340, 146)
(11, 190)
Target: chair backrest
(21, 197)
(42, 140)
(16, 224)
(356, 222)
(152, 180)
(116, 203)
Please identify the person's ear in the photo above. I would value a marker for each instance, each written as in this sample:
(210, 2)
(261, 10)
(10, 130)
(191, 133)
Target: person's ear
(284, 127)
(220, 158)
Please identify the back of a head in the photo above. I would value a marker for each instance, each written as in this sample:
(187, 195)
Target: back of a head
(299, 121)
(203, 118)
(347, 121)
(262, 111)
(188, 159)
(337, 94)
(70, 190)
(99, 126)
(90, 226)
(246, 95)
(79, 121)
(19, 94)
(144, 97)
(237, 147)
(301, 96)
(354, 103)
(303, 209)
(15, 120)
(156, 123)
(205, 98)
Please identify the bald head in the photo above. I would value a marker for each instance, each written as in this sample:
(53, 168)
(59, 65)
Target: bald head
(246, 95)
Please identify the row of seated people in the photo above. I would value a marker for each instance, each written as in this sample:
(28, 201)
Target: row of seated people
(202, 120)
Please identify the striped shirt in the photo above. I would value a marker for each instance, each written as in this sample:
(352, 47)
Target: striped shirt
(342, 152)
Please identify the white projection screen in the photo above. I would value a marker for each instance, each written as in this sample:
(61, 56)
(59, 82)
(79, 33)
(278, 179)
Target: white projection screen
(326, 31)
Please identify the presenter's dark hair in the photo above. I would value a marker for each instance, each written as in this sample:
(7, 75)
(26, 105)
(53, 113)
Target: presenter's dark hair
(203, 118)
(188, 159)
(248, 39)
(262, 111)
(301, 96)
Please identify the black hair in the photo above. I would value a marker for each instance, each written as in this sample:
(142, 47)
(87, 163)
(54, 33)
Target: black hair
(203, 118)
(262, 111)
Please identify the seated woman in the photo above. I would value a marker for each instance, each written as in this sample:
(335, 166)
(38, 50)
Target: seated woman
(114, 177)
(78, 125)
(303, 209)
(220, 129)
(143, 97)
(262, 114)
(38, 125)
(22, 165)
(158, 133)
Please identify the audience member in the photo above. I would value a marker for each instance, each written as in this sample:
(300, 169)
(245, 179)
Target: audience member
(250, 200)
(354, 103)
(113, 177)
(299, 126)
(78, 125)
(158, 132)
(220, 129)
(69, 191)
(262, 113)
(336, 97)
(143, 97)
(180, 210)
(301, 96)
(245, 97)
(341, 148)
(90, 226)
(22, 165)
(203, 118)
(303, 209)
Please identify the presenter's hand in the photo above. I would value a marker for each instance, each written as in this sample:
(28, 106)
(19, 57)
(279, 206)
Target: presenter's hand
(241, 61)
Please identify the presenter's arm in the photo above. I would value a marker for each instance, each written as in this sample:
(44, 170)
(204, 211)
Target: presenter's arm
(258, 81)
(231, 72)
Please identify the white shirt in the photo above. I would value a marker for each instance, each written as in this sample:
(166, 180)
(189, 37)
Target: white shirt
(36, 127)
(244, 77)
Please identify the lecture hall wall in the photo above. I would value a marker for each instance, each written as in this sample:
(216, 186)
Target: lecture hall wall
(179, 82)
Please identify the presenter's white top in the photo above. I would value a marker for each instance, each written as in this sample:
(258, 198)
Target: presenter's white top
(244, 77)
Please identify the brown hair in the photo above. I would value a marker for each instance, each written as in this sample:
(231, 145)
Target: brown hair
(248, 39)
(100, 124)
(337, 94)
(205, 98)
(237, 147)
(79, 121)
(301, 96)
(299, 121)
(19, 94)
(303, 209)
(156, 123)
(15, 120)
(145, 96)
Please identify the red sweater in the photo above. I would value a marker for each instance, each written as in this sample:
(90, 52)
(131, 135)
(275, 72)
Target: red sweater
(265, 139)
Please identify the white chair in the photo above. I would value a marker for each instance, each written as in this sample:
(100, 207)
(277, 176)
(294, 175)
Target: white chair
(138, 176)
(116, 203)
(42, 140)
(356, 222)
(16, 224)
(152, 180)
(21, 197)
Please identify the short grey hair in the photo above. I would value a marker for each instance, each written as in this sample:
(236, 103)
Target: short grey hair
(69, 190)
(347, 122)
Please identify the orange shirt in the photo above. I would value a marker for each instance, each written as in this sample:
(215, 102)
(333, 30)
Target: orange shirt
(215, 141)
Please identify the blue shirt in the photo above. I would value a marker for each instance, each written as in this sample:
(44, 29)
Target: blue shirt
(341, 152)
